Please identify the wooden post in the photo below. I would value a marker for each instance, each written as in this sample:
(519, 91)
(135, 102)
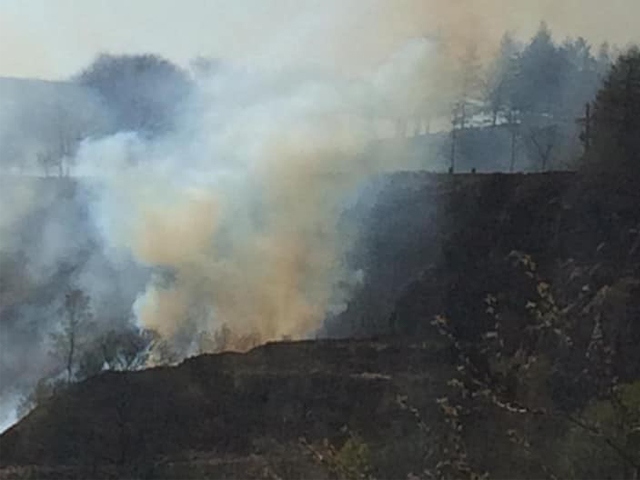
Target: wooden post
(512, 128)
(587, 127)
(452, 159)
(585, 135)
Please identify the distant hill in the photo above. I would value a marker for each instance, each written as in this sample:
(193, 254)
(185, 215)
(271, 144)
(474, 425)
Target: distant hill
(19, 92)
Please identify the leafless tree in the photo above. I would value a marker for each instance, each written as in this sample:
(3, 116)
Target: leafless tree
(542, 141)
(76, 317)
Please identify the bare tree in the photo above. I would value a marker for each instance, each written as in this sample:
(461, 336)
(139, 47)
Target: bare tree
(118, 350)
(76, 317)
(541, 142)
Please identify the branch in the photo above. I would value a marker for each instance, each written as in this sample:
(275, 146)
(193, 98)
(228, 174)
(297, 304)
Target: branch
(596, 432)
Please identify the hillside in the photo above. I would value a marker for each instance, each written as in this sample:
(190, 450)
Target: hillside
(229, 406)
(434, 245)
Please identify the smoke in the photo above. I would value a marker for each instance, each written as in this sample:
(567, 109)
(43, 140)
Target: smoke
(20, 197)
(348, 35)
(238, 212)
(235, 218)
(232, 220)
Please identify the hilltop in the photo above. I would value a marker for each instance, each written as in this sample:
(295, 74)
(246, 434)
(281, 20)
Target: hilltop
(230, 407)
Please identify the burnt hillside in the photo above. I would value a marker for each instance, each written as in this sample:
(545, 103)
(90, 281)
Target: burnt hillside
(548, 257)
(228, 405)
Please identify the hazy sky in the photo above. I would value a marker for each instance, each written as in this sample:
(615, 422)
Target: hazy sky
(55, 38)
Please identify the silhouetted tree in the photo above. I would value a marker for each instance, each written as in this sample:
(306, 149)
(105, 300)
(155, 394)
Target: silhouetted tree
(541, 142)
(501, 77)
(615, 123)
(603, 60)
(117, 350)
(76, 316)
(469, 88)
(539, 75)
(580, 80)
(62, 133)
(145, 92)
(48, 127)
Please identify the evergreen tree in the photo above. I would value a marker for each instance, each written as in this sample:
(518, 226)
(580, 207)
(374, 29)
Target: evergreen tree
(603, 60)
(501, 77)
(469, 86)
(539, 77)
(615, 127)
(580, 79)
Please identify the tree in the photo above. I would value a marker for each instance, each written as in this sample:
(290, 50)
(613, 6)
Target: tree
(559, 392)
(615, 122)
(351, 461)
(537, 87)
(580, 80)
(62, 134)
(501, 77)
(48, 125)
(467, 91)
(76, 318)
(145, 92)
(117, 350)
(469, 86)
(613, 430)
(127, 349)
(603, 61)
(541, 141)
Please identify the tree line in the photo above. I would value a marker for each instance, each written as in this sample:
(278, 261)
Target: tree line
(533, 92)
(531, 96)
(144, 94)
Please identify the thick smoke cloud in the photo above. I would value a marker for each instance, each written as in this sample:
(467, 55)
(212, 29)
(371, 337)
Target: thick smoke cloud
(233, 218)
(241, 206)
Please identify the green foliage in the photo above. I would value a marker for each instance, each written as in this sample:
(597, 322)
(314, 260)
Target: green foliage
(607, 439)
(509, 376)
(352, 461)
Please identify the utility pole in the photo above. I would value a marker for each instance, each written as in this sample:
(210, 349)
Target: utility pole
(456, 118)
(585, 135)
(452, 159)
(513, 131)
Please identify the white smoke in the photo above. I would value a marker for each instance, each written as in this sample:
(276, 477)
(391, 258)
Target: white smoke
(241, 205)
